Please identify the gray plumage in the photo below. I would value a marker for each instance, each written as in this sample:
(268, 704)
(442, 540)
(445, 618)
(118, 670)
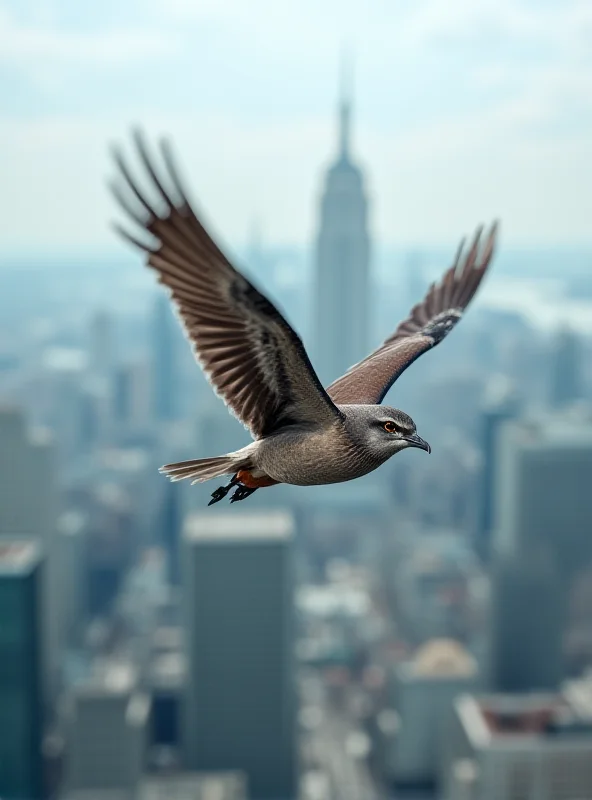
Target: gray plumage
(303, 434)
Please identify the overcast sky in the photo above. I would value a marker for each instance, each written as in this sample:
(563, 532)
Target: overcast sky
(464, 111)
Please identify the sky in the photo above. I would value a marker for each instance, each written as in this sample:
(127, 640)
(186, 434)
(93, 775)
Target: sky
(464, 111)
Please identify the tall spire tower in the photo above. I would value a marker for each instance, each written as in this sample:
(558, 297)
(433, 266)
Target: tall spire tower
(345, 109)
(342, 258)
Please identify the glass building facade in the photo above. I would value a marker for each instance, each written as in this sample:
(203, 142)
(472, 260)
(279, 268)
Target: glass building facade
(21, 723)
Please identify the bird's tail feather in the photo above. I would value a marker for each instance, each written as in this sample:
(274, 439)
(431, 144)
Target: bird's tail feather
(202, 469)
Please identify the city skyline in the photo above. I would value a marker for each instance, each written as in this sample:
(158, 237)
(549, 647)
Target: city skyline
(457, 103)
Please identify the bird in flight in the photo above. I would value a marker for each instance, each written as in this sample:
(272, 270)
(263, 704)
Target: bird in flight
(303, 434)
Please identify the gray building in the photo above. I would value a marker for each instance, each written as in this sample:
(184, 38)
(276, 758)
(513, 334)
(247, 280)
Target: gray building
(21, 706)
(520, 747)
(342, 264)
(423, 691)
(106, 724)
(500, 404)
(28, 509)
(541, 541)
(238, 601)
(566, 372)
(164, 337)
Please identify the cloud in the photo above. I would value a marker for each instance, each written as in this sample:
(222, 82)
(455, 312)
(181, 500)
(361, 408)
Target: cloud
(33, 46)
(464, 111)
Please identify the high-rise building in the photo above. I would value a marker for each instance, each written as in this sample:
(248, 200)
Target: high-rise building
(101, 345)
(520, 747)
(500, 405)
(565, 378)
(164, 362)
(342, 263)
(543, 510)
(106, 720)
(71, 546)
(239, 708)
(170, 530)
(28, 508)
(423, 693)
(21, 705)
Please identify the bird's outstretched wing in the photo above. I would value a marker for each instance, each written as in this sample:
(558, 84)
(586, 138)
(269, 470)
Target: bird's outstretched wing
(252, 357)
(425, 327)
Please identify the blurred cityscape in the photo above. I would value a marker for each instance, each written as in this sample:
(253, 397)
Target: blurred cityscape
(425, 632)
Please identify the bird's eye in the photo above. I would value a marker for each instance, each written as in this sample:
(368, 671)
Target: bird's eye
(390, 427)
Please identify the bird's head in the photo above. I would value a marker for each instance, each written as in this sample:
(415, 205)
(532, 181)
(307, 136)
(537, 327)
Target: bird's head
(387, 430)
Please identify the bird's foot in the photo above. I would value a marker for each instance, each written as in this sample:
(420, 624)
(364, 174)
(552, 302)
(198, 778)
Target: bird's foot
(241, 493)
(222, 491)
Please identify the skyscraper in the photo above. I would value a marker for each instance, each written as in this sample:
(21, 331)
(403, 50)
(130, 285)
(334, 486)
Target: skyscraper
(101, 347)
(500, 405)
(28, 509)
(106, 721)
(566, 370)
(342, 262)
(543, 516)
(21, 706)
(170, 530)
(239, 707)
(164, 374)
(423, 691)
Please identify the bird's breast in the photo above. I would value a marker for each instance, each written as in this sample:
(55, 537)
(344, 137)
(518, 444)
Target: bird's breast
(310, 458)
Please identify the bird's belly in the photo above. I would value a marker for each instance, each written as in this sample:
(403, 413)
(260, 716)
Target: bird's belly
(312, 460)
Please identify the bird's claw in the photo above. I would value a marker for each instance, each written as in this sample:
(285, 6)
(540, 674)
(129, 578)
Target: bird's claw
(220, 493)
(241, 493)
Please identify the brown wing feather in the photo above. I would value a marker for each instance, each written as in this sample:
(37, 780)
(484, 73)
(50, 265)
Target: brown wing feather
(427, 324)
(252, 357)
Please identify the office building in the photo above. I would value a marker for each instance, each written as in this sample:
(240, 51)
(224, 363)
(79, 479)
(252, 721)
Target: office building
(106, 720)
(239, 708)
(21, 702)
(101, 344)
(163, 361)
(543, 510)
(566, 373)
(342, 263)
(71, 547)
(422, 693)
(519, 747)
(28, 508)
(500, 405)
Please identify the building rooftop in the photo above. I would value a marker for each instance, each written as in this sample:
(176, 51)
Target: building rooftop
(440, 658)
(564, 431)
(195, 786)
(109, 676)
(18, 556)
(516, 718)
(233, 527)
(97, 794)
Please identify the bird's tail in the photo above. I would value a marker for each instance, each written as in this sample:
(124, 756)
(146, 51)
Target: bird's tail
(202, 469)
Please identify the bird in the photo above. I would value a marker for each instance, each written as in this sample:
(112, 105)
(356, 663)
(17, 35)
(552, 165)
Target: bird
(303, 434)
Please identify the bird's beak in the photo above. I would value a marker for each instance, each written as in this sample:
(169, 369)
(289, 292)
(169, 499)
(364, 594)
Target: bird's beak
(416, 441)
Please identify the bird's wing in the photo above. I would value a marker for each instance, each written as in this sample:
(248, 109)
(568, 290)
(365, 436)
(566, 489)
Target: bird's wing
(425, 327)
(252, 357)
